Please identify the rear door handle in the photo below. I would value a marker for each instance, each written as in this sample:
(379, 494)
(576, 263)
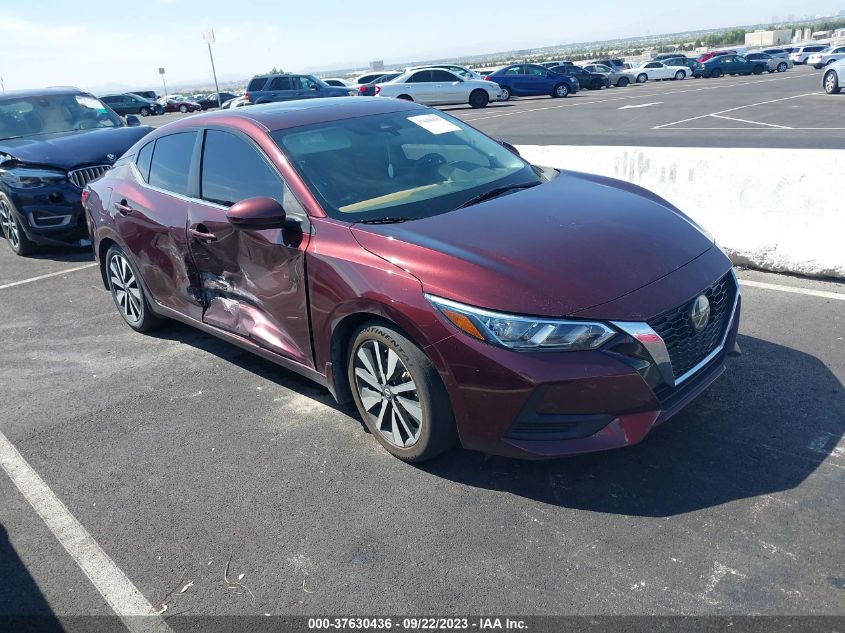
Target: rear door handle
(123, 208)
(202, 237)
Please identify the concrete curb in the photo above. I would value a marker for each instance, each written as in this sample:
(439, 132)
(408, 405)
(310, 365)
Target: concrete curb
(775, 209)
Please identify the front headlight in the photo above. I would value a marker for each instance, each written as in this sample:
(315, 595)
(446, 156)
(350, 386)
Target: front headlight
(26, 177)
(523, 333)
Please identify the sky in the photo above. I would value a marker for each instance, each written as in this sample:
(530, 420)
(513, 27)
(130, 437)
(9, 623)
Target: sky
(59, 42)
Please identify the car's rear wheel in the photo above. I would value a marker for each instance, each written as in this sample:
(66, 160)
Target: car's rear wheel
(145, 111)
(831, 82)
(506, 93)
(11, 229)
(561, 91)
(642, 78)
(623, 82)
(128, 292)
(479, 99)
(183, 109)
(680, 75)
(716, 73)
(399, 394)
(782, 67)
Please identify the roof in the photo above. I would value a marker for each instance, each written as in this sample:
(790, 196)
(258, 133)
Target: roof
(40, 92)
(289, 114)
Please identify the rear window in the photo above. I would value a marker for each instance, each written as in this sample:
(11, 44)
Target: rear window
(256, 84)
(171, 162)
(142, 162)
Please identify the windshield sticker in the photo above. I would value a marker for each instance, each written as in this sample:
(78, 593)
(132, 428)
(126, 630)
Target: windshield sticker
(434, 123)
(90, 102)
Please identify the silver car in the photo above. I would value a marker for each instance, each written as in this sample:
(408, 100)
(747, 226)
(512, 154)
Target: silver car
(617, 77)
(773, 63)
(833, 79)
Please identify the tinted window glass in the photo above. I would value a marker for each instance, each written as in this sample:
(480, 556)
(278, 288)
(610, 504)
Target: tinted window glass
(442, 75)
(233, 170)
(514, 70)
(142, 161)
(420, 77)
(172, 161)
(256, 84)
(535, 71)
(280, 83)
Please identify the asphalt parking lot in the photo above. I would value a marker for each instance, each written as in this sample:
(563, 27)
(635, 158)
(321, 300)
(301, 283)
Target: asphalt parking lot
(192, 463)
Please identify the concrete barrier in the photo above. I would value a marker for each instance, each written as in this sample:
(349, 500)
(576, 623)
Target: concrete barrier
(774, 209)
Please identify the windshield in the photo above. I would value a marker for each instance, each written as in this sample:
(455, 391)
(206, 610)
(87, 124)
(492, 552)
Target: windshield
(399, 164)
(50, 114)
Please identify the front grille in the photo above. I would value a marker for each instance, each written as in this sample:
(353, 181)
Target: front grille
(81, 177)
(686, 347)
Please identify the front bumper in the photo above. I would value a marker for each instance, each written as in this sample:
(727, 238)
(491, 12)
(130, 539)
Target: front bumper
(552, 404)
(52, 214)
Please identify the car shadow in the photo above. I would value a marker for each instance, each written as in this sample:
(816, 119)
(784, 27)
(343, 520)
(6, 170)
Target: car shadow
(492, 104)
(64, 254)
(22, 605)
(765, 426)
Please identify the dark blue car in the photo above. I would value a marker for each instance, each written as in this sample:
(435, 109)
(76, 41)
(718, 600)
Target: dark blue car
(528, 80)
(52, 143)
(289, 87)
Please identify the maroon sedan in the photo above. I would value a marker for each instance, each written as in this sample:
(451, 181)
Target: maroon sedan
(172, 105)
(409, 263)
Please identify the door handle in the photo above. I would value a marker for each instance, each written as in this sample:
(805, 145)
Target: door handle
(202, 237)
(123, 208)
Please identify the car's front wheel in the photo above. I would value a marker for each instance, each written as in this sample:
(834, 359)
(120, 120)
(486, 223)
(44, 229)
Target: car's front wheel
(782, 67)
(145, 111)
(183, 109)
(12, 230)
(561, 91)
(127, 291)
(399, 394)
(831, 82)
(506, 93)
(479, 99)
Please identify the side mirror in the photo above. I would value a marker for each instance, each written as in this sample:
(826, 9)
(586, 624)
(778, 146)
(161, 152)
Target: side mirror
(255, 214)
(132, 120)
(510, 148)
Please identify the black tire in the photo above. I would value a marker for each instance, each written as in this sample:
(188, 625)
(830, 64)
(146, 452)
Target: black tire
(830, 82)
(506, 93)
(596, 84)
(11, 229)
(782, 67)
(716, 73)
(560, 91)
(139, 317)
(818, 66)
(183, 109)
(436, 432)
(405, 97)
(680, 75)
(758, 70)
(145, 111)
(642, 78)
(623, 82)
(479, 99)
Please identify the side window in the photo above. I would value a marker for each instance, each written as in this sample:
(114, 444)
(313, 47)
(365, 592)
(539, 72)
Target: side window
(535, 71)
(255, 84)
(652, 65)
(280, 83)
(443, 76)
(234, 170)
(172, 162)
(514, 70)
(142, 160)
(420, 77)
(306, 83)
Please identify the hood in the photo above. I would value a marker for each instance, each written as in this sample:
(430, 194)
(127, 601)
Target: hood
(551, 250)
(67, 150)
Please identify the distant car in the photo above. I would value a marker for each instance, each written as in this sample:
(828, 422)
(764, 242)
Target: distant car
(337, 82)
(833, 78)
(437, 86)
(290, 87)
(733, 65)
(659, 70)
(695, 67)
(707, 56)
(587, 79)
(562, 62)
(53, 142)
(460, 71)
(211, 101)
(526, 80)
(828, 56)
(369, 90)
(615, 63)
(368, 77)
(181, 105)
(146, 94)
(773, 64)
(618, 78)
(777, 52)
(802, 53)
(662, 56)
(132, 104)
(237, 102)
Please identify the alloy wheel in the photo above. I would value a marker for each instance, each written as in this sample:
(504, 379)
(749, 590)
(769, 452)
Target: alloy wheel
(388, 393)
(9, 225)
(830, 82)
(562, 90)
(124, 285)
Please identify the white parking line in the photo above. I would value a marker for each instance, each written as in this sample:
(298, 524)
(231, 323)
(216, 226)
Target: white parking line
(730, 118)
(122, 596)
(749, 105)
(47, 276)
(839, 296)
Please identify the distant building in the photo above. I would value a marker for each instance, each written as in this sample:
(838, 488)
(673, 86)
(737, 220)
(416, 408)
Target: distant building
(761, 39)
(822, 35)
(377, 65)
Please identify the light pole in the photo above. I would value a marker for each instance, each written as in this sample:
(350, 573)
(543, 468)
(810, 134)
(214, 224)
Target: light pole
(208, 36)
(163, 83)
